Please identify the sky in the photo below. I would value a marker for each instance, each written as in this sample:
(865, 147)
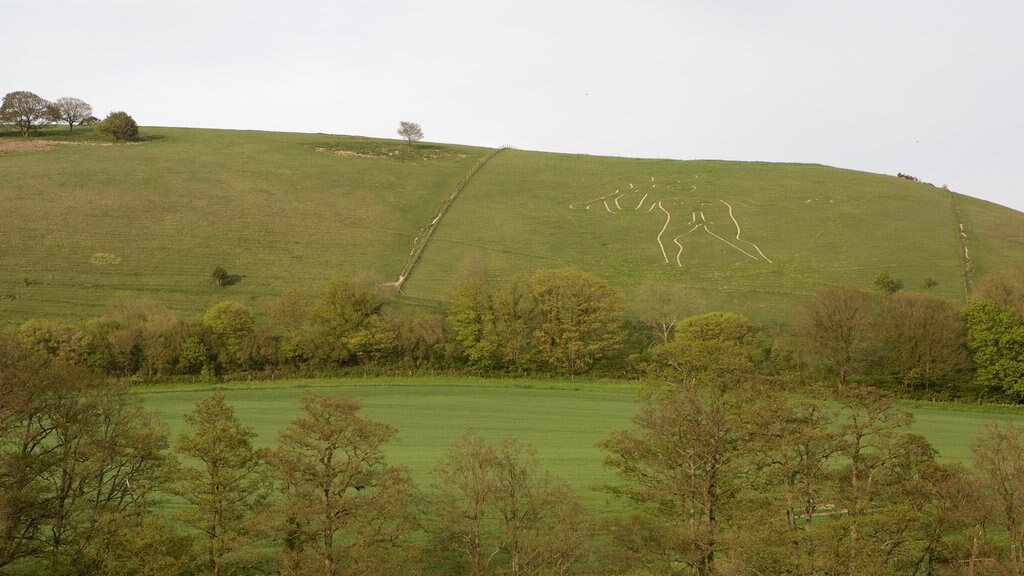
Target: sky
(931, 88)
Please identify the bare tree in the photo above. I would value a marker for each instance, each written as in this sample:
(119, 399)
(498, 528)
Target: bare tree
(71, 110)
(411, 131)
(836, 322)
(25, 110)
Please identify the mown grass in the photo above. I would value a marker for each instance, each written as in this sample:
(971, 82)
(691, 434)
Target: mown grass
(562, 419)
(296, 210)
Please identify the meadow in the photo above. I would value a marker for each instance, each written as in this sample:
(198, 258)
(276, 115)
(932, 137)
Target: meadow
(82, 222)
(561, 419)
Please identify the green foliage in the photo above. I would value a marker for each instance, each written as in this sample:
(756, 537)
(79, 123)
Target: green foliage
(579, 318)
(119, 126)
(345, 509)
(224, 482)
(886, 284)
(220, 275)
(995, 335)
(232, 323)
(25, 110)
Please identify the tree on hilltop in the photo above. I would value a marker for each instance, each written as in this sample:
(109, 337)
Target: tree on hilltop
(71, 110)
(119, 126)
(26, 110)
(411, 131)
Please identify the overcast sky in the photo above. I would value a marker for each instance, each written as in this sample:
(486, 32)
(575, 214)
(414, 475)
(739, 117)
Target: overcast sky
(933, 88)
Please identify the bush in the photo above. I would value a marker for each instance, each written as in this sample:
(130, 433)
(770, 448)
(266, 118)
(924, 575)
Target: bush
(119, 126)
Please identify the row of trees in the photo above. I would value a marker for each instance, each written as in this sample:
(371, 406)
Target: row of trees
(722, 472)
(29, 112)
(559, 322)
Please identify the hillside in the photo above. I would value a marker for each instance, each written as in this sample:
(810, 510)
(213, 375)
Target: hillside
(82, 222)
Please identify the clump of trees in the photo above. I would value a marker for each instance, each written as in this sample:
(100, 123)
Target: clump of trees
(29, 112)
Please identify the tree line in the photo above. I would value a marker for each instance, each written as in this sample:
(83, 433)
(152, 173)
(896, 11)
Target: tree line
(29, 112)
(554, 322)
(731, 466)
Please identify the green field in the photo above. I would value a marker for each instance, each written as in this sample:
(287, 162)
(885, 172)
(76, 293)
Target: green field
(561, 419)
(83, 222)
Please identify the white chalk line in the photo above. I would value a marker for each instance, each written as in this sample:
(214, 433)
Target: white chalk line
(756, 247)
(668, 218)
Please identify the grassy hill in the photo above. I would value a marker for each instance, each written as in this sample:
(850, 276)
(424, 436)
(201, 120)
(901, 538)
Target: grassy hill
(81, 222)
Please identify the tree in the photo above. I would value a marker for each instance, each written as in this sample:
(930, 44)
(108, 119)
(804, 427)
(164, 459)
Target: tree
(886, 284)
(579, 318)
(25, 110)
(119, 126)
(660, 306)
(232, 323)
(995, 336)
(345, 509)
(220, 276)
(492, 499)
(999, 456)
(921, 341)
(229, 483)
(836, 324)
(71, 110)
(411, 131)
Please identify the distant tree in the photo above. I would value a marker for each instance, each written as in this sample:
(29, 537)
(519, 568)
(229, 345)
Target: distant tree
(995, 336)
(225, 481)
(345, 509)
(886, 284)
(25, 110)
(579, 318)
(836, 323)
(220, 276)
(921, 340)
(119, 126)
(660, 306)
(232, 323)
(411, 131)
(494, 498)
(71, 110)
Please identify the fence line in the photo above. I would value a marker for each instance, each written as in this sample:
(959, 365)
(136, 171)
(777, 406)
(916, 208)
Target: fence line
(419, 243)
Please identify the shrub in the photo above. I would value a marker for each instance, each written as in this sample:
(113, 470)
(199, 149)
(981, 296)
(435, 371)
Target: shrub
(119, 126)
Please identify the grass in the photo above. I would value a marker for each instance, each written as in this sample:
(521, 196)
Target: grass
(561, 419)
(82, 223)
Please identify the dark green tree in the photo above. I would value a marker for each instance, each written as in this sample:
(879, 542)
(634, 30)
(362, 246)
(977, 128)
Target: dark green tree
(119, 126)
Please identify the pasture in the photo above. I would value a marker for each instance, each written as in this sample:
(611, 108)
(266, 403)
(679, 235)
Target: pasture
(562, 420)
(83, 222)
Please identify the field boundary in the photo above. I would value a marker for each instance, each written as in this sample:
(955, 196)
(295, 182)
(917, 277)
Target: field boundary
(966, 266)
(419, 243)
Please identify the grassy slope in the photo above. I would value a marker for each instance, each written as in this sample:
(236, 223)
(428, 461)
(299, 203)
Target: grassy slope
(269, 207)
(817, 225)
(562, 420)
(266, 206)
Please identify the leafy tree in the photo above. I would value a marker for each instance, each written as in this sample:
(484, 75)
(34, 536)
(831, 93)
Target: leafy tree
(999, 456)
(836, 325)
(232, 323)
(995, 336)
(683, 465)
(71, 110)
(579, 318)
(921, 341)
(220, 276)
(492, 499)
(1004, 287)
(411, 131)
(345, 510)
(226, 485)
(25, 110)
(471, 325)
(119, 126)
(347, 326)
(886, 284)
